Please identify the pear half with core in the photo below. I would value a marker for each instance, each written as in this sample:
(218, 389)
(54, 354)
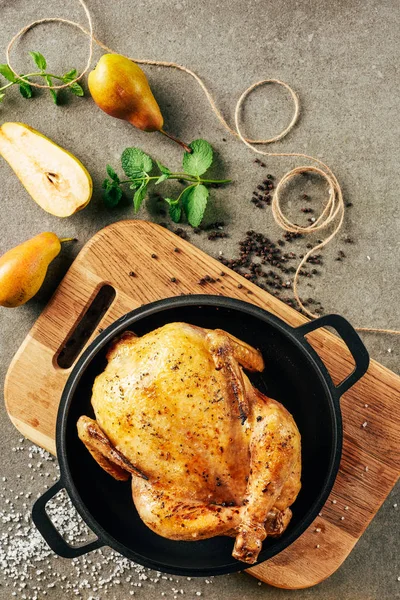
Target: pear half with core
(55, 179)
(120, 88)
(23, 268)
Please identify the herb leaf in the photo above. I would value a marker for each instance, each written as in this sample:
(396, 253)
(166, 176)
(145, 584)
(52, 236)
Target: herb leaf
(175, 212)
(112, 174)
(76, 89)
(134, 161)
(195, 203)
(165, 173)
(7, 73)
(39, 60)
(2, 96)
(25, 89)
(184, 197)
(53, 93)
(162, 178)
(70, 76)
(112, 193)
(163, 169)
(200, 160)
(139, 196)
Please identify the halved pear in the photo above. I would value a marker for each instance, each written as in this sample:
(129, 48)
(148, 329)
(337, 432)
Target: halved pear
(54, 177)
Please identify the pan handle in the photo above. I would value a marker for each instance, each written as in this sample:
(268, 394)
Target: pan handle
(50, 533)
(352, 341)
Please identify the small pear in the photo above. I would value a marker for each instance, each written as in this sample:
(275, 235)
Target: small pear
(120, 88)
(23, 268)
(54, 177)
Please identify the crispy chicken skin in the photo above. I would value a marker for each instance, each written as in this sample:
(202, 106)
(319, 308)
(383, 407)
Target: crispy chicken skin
(208, 454)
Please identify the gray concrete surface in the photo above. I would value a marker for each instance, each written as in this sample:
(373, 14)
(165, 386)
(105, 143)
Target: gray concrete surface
(342, 58)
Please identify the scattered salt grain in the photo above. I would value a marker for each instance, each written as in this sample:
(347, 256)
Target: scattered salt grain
(317, 530)
(334, 501)
(364, 424)
(29, 567)
(366, 469)
(395, 505)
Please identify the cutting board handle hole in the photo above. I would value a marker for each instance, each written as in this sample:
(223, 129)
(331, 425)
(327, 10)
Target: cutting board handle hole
(84, 328)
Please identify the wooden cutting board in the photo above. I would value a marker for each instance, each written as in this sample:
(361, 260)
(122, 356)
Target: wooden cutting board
(139, 260)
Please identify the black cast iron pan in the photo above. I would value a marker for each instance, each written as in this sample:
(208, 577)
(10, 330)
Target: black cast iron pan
(294, 375)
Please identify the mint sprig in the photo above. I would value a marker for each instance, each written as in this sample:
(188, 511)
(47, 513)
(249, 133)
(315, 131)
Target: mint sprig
(24, 81)
(138, 166)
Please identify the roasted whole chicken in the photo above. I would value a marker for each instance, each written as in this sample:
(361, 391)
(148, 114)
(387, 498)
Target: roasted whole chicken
(208, 453)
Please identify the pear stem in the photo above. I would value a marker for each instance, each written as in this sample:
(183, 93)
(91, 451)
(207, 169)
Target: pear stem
(171, 137)
(63, 240)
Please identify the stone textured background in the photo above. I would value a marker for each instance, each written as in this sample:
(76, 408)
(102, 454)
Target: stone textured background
(342, 58)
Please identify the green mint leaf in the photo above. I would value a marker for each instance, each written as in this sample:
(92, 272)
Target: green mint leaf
(200, 160)
(185, 196)
(70, 76)
(39, 60)
(53, 93)
(76, 89)
(162, 178)
(175, 212)
(194, 203)
(139, 196)
(112, 194)
(2, 96)
(25, 89)
(7, 73)
(163, 169)
(112, 174)
(134, 160)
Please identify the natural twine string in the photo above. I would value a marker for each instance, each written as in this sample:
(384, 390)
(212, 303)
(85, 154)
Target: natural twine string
(333, 212)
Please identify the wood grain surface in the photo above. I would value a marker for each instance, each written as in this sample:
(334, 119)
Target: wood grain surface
(371, 455)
